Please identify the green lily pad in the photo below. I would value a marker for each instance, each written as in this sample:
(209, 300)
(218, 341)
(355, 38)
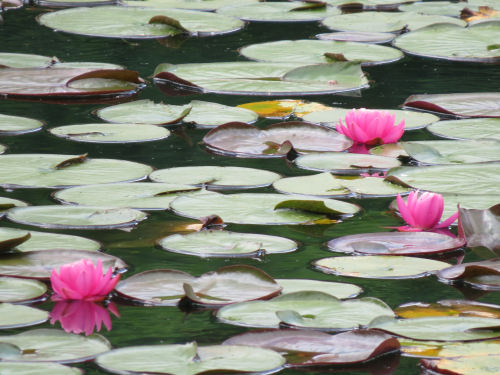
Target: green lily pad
(454, 152)
(138, 195)
(367, 4)
(385, 21)
(441, 328)
(208, 114)
(2, 148)
(467, 129)
(453, 42)
(273, 11)
(111, 133)
(43, 345)
(258, 208)
(309, 305)
(267, 79)
(451, 179)
(320, 51)
(8, 203)
(357, 36)
(39, 264)
(391, 150)
(413, 120)
(206, 5)
(76, 217)
(345, 163)
(23, 368)
(223, 286)
(215, 243)
(441, 8)
(83, 64)
(58, 171)
(338, 290)
(25, 60)
(15, 125)
(19, 290)
(379, 266)
(138, 23)
(74, 3)
(472, 104)
(243, 140)
(476, 365)
(327, 185)
(16, 316)
(190, 359)
(215, 177)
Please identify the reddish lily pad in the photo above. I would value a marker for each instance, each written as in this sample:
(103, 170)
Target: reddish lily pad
(243, 140)
(481, 227)
(218, 288)
(448, 308)
(395, 243)
(311, 348)
(482, 275)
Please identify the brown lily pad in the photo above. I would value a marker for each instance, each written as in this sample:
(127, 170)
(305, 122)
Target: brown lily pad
(480, 275)
(448, 308)
(481, 227)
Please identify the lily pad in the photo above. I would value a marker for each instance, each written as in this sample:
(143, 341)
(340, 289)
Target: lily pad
(320, 309)
(215, 243)
(467, 129)
(8, 203)
(482, 275)
(338, 290)
(473, 104)
(385, 22)
(442, 8)
(74, 3)
(266, 79)
(17, 290)
(481, 227)
(284, 108)
(327, 185)
(448, 308)
(15, 125)
(392, 150)
(190, 359)
(23, 368)
(206, 5)
(138, 23)
(215, 177)
(273, 11)
(43, 345)
(380, 266)
(413, 120)
(58, 171)
(320, 51)
(357, 36)
(451, 179)
(453, 42)
(367, 4)
(243, 140)
(473, 365)
(111, 133)
(25, 60)
(263, 209)
(311, 348)
(39, 264)
(344, 163)
(17, 316)
(395, 243)
(224, 286)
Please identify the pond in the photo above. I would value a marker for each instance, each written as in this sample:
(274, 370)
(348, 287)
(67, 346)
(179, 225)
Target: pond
(390, 85)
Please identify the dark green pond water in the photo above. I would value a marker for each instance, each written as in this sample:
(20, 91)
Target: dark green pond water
(390, 85)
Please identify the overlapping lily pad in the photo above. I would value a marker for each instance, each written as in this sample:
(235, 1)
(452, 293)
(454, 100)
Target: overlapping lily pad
(472, 104)
(442, 8)
(448, 308)
(111, 133)
(476, 43)
(27, 368)
(380, 266)
(266, 79)
(17, 290)
(307, 309)
(282, 109)
(216, 243)
(267, 209)
(385, 21)
(467, 129)
(327, 185)
(395, 243)
(76, 217)
(224, 286)
(320, 51)
(144, 112)
(190, 359)
(39, 264)
(206, 5)
(338, 290)
(25, 60)
(273, 11)
(43, 345)
(482, 275)
(473, 365)
(8, 203)
(215, 177)
(344, 163)
(139, 23)
(481, 227)
(16, 316)
(14, 125)
(357, 36)
(57, 171)
(243, 140)
(311, 348)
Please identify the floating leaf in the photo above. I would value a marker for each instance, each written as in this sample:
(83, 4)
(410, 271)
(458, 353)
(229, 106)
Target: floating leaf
(441, 8)
(206, 5)
(26, 368)
(483, 12)
(16, 290)
(25, 60)
(448, 308)
(480, 365)
(282, 109)
(15, 125)
(379, 266)
(8, 203)
(482, 275)
(357, 36)
(467, 129)
(338, 290)
(481, 227)
(16, 316)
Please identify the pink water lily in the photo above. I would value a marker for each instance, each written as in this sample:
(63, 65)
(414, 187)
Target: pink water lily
(82, 281)
(423, 211)
(371, 127)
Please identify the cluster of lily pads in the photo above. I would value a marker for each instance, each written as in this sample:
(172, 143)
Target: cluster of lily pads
(302, 323)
